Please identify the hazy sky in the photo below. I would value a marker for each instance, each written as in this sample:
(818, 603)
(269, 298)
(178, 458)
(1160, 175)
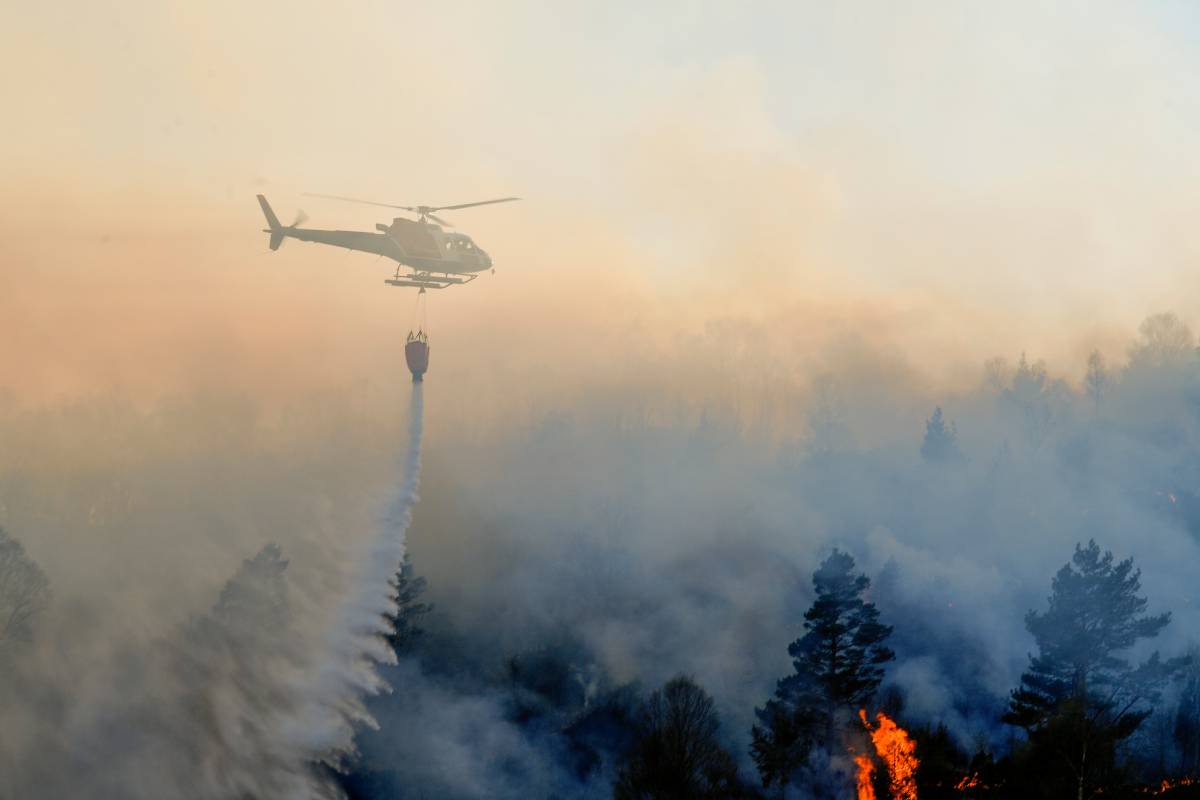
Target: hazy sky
(809, 219)
(948, 179)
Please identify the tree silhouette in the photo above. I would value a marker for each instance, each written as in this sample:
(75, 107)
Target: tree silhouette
(677, 754)
(24, 591)
(838, 666)
(1097, 380)
(255, 599)
(1080, 697)
(782, 740)
(940, 444)
(407, 588)
(1165, 339)
(372, 770)
(1186, 722)
(1030, 396)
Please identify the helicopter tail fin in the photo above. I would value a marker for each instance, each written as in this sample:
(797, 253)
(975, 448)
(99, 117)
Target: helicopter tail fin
(275, 229)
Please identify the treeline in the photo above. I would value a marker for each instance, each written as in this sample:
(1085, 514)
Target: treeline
(1095, 712)
(1078, 717)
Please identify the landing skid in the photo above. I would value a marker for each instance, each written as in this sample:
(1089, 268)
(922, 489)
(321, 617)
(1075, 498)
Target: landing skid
(427, 280)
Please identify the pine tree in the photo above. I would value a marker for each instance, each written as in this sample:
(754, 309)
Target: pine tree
(780, 744)
(940, 444)
(838, 666)
(226, 664)
(407, 588)
(372, 772)
(1080, 696)
(255, 598)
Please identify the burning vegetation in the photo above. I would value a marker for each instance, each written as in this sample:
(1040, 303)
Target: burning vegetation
(898, 752)
(865, 777)
(968, 782)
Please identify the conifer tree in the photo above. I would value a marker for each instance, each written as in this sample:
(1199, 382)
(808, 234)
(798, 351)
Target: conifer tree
(838, 666)
(940, 444)
(1080, 695)
(407, 588)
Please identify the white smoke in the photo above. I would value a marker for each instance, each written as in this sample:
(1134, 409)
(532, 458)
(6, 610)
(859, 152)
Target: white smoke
(334, 703)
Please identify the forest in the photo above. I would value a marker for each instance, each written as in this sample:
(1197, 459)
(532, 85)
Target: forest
(994, 601)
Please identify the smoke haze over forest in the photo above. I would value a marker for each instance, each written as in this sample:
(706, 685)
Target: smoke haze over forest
(756, 251)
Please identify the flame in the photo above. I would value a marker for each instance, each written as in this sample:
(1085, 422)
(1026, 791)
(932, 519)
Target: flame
(969, 782)
(866, 771)
(898, 752)
(1166, 786)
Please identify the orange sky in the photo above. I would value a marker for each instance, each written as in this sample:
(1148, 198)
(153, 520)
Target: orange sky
(942, 189)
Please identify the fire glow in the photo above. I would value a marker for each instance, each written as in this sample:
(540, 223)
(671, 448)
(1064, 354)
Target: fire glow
(898, 752)
(866, 773)
(968, 782)
(1168, 785)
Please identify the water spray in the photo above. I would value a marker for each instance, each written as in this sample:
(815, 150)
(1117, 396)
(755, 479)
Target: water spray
(335, 702)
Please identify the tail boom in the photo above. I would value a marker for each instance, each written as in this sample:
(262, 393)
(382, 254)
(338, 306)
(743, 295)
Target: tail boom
(275, 229)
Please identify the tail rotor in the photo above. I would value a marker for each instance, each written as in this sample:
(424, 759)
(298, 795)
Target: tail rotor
(277, 231)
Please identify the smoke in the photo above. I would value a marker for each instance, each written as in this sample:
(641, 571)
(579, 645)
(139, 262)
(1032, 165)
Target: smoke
(706, 358)
(624, 536)
(114, 699)
(334, 703)
(193, 714)
(658, 540)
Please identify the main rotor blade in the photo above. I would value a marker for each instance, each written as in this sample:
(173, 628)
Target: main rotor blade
(355, 200)
(415, 209)
(440, 221)
(469, 205)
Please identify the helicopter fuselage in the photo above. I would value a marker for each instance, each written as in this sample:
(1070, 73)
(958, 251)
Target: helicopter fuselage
(420, 245)
(438, 257)
(427, 246)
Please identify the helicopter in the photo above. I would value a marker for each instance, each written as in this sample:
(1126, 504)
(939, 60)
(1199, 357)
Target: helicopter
(437, 258)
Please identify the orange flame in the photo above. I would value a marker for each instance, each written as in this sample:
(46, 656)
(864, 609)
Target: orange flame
(899, 754)
(1166, 786)
(968, 782)
(866, 771)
